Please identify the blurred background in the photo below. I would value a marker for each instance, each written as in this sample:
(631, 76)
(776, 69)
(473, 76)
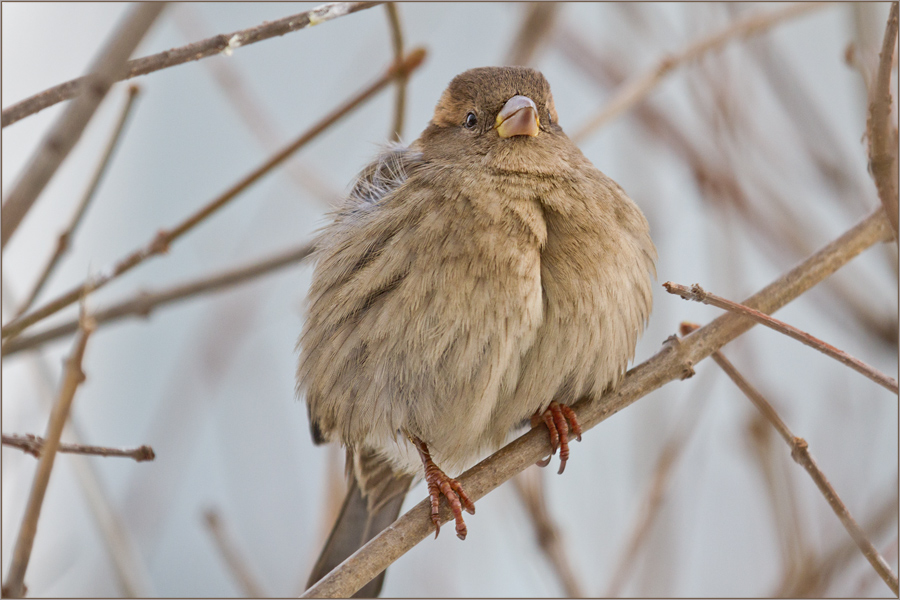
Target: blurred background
(745, 161)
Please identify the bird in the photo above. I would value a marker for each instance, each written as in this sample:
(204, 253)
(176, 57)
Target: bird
(481, 278)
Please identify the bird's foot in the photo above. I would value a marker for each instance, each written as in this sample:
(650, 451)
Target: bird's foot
(440, 484)
(555, 418)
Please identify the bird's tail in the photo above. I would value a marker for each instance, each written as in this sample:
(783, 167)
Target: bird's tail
(369, 507)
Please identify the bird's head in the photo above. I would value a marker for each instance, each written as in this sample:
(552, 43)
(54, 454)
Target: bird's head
(500, 117)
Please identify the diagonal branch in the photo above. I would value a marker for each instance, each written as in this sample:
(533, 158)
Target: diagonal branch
(223, 43)
(163, 239)
(65, 238)
(67, 129)
(144, 303)
(882, 136)
(698, 294)
(801, 455)
(636, 89)
(674, 361)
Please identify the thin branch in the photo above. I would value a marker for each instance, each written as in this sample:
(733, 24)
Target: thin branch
(163, 239)
(237, 564)
(393, 15)
(637, 88)
(539, 22)
(144, 303)
(223, 43)
(801, 455)
(73, 376)
(654, 496)
(62, 244)
(34, 445)
(674, 361)
(882, 136)
(67, 129)
(698, 294)
(529, 485)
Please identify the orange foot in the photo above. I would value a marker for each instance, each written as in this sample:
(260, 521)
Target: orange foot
(555, 419)
(440, 484)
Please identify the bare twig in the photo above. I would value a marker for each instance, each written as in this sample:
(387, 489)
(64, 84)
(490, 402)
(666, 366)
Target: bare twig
(674, 361)
(34, 445)
(127, 565)
(540, 18)
(655, 494)
(163, 239)
(223, 43)
(800, 453)
(237, 564)
(529, 485)
(393, 15)
(66, 131)
(62, 244)
(882, 135)
(637, 88)
(73, 376)
(144, 303)
(698, 294)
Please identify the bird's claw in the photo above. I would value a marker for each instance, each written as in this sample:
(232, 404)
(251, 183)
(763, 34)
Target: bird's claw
(560, 420)
(440, 484)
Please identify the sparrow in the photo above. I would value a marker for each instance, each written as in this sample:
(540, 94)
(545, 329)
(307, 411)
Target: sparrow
(485, 276)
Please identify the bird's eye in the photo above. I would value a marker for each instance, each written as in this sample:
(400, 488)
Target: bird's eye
(471, 121)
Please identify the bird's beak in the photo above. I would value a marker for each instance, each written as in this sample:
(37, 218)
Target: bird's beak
(518, 116)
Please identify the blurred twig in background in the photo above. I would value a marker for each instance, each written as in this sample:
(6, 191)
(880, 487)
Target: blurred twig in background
(62, 244)
(529, 485)
(68, 128)
(228, 549)
(637, 88)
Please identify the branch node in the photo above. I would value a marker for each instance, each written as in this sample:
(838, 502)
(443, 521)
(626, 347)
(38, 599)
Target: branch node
(799, 449)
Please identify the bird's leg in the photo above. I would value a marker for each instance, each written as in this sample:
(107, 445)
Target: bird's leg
(439, 483)
(555, 418)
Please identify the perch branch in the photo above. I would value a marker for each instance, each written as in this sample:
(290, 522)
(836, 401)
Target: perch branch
(65, 132)
(34, 445)
(163, 239)
(698, 294)
(72, 378)
(223, 43)
(801, 455)
(636, 89)
(882, 136)
(143, 303)
(62, 244)
(674, 361)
